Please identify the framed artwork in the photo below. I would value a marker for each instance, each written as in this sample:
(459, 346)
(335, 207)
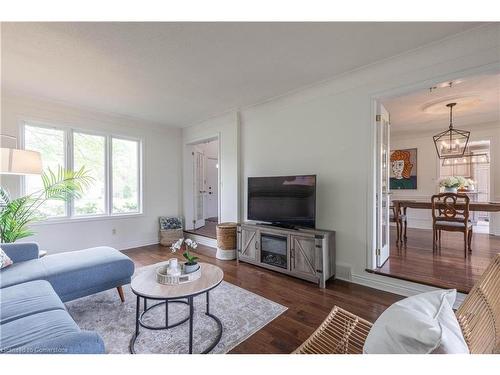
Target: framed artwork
(403, 169)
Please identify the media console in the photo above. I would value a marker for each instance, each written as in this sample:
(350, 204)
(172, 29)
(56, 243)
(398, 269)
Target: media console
(308, 254)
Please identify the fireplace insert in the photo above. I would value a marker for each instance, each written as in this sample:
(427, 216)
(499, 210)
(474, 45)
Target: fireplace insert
(273, 250)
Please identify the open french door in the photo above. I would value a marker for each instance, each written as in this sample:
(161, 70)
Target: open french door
(199, 188)
(382, 185)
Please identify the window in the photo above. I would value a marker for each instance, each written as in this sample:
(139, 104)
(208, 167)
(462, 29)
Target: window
(125, 175)
(89, 152)
(50, 144)
(102, 156)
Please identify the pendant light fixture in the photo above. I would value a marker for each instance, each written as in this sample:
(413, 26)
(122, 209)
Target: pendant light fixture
(451, 143)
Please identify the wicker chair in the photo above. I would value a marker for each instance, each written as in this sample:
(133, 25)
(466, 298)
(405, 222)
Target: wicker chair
(478, 316)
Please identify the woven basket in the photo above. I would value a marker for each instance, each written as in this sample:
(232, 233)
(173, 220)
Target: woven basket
(226, 236)
(170, 236)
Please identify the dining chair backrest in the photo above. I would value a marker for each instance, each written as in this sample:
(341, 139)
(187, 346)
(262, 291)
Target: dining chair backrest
(450, 207)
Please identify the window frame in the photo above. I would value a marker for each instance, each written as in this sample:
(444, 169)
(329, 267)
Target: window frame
(139, 172)
(68, 132)
(107, 165)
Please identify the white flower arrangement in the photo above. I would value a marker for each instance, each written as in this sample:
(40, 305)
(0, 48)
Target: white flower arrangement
(190, 244)
(449, 182)
(468, 182)
(456, 182)
(178, 245)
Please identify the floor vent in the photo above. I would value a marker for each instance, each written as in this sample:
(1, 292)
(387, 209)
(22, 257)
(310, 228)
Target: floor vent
(343, 271)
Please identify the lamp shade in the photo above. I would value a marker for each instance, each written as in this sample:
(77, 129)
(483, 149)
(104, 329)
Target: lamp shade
(20, 162)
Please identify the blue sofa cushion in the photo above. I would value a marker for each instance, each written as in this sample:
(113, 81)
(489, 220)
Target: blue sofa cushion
(26, 299)
(83, 272)
(20, 252)
(22, 272)
(35, 329)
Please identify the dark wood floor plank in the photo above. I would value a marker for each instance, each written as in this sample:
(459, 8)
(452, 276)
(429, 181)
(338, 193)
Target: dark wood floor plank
(208, 230)
(307, 304)
(449, 269)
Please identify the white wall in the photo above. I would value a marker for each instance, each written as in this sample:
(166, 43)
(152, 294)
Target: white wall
(428, 169)
(162, 168)
(227, 129)
(328, 130)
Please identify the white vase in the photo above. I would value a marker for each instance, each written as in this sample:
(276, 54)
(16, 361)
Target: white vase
(450, 190)
(188, 268)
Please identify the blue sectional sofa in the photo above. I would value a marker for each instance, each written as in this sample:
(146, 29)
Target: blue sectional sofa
(33, 318)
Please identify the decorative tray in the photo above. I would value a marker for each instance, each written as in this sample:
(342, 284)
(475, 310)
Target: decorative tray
(163, 278)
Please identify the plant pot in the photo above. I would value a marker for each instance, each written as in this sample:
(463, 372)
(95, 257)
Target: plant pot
(451, 190)
(188, 268)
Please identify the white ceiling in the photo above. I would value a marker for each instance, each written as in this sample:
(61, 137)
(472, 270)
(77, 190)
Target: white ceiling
(180, 73)
(477, 98)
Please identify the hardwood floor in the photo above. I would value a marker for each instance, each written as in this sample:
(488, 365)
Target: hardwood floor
(416, 261)
(307, 304)
(208, 230)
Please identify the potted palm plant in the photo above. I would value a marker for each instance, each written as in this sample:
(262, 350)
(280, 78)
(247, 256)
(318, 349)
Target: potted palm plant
(17, 214)
(188, 244)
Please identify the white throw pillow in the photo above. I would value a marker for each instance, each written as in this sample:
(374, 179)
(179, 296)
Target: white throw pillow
(420, 324)
(5, 261)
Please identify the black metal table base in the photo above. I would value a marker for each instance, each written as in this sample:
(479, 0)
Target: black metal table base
(189, 301)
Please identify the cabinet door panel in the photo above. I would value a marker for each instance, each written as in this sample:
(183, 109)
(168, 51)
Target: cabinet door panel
(303, 257)
(249, 244)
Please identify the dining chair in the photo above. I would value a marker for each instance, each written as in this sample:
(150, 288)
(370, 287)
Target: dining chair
(401, 223)
(450, 212)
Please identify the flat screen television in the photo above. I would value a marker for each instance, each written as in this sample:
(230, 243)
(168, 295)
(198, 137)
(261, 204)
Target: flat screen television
(285, 201)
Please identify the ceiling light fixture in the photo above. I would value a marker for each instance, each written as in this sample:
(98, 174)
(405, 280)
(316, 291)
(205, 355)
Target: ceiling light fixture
(452, 142)
(467, 159)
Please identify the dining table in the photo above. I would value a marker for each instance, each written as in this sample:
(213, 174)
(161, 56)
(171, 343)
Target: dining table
(400, 207)
(402, 204)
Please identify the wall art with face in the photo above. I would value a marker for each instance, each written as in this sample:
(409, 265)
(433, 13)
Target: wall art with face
(403, 169)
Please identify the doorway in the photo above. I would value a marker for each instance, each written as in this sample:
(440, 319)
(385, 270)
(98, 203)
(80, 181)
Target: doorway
(407, 153)
(204, 191)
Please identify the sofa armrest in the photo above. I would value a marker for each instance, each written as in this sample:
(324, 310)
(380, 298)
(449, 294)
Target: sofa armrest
(83, 342)
(20, 252)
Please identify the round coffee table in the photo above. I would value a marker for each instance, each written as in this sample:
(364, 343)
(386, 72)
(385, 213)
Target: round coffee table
(145, 286)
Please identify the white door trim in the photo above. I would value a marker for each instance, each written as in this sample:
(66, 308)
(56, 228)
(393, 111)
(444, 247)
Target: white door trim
(382, 185)
(187, 188)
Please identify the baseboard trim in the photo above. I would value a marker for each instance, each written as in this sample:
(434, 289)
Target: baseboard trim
(396, 286)
(388, 284)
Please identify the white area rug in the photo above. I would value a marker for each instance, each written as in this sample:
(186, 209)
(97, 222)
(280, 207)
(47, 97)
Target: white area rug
(241, 312)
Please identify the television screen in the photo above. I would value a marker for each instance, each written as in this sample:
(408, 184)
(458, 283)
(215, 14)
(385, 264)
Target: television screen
(289, 200)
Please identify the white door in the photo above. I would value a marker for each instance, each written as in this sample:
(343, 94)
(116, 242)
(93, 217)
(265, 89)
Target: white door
(382, 186)
(199, 188)
(212, 197)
